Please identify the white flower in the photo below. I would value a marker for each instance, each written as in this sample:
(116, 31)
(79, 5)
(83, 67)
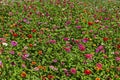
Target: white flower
(5, 44)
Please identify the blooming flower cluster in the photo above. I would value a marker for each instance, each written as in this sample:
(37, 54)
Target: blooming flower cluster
(60, 40)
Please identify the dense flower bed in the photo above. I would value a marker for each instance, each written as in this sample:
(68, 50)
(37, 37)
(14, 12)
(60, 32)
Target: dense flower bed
(60, 40)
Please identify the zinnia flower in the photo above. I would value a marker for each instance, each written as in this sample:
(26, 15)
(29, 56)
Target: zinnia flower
(5, 44)
(23, 74)
(13, 43)
(97, 78)
(73, 70)
(99, 65)
(87, 72)
(85, 40)
(89, 56)
(81, 47)
(117, 58)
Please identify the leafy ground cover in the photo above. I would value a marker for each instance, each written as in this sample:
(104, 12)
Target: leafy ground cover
(60, 40)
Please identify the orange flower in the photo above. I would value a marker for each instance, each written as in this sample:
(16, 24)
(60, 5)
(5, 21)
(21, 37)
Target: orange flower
(33, 63)
(97, 78)
(23, 74)
(97, 68)
(50, 77)
(40, 52)
(30, 45)
(42, 67)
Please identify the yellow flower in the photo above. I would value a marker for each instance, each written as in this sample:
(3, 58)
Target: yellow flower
(94, 44)
(6, 35)
(97, 78)
(90, 39)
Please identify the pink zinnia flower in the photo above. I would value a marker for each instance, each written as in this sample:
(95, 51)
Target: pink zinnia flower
(81, 47)
(52, 41)
(99, 48)
(99, 65)
(78, 27)
(12, 52)
(89, 56)
(117, 58)
(67, 49)
(73, 70)
(13, 43)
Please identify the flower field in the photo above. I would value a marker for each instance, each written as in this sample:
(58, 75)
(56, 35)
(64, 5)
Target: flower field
(60, 40)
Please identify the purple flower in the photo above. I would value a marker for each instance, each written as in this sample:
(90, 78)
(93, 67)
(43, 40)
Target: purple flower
(13, 43)
(0, 63)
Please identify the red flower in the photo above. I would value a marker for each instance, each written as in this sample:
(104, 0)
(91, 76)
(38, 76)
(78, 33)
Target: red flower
(90, 23)
(30, 36)
(34, 30)
(105, 39)
(15, 34)
(118, 46)
(87, 72)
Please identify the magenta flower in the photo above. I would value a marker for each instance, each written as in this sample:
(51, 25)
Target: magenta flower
(99, 48)
(66, 39)
(81, 47)
(89, 56)
(85, 40)
(13, 43)
(73, 70)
